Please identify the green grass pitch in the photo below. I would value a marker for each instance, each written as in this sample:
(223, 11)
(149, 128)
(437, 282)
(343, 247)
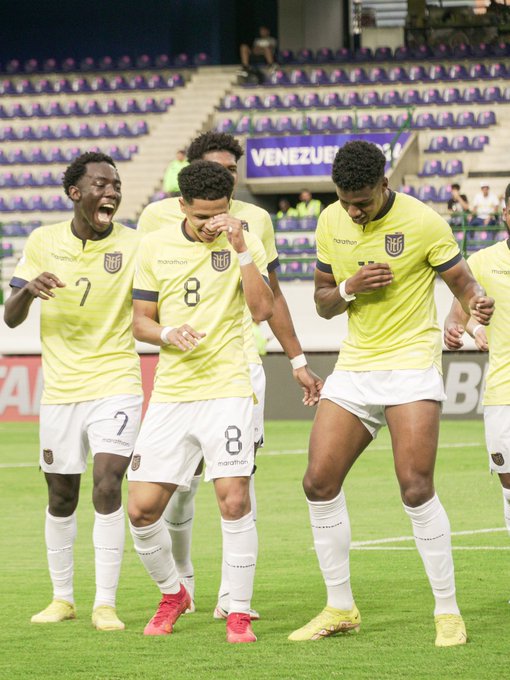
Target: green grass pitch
(397, 634)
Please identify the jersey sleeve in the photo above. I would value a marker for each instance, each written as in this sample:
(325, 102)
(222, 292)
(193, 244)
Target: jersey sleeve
(147, 221)
(442, 250)
(268, 242)
(321, 237)
(30, 264)
(145, 286)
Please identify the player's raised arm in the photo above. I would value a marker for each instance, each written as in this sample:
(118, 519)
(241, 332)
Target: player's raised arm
(18, 303)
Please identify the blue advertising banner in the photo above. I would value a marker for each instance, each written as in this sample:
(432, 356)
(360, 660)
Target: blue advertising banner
(308, 155)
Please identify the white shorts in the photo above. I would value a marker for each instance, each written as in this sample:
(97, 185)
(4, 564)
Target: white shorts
(367, 393)
(258, 382)
(175, 436)
(68, 431)
(497, 437)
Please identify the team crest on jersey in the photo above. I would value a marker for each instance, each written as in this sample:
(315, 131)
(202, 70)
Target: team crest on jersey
(47, 456)
(498, 458)
(135, 463)
(112, 262)
(220, 260)
(394, 244)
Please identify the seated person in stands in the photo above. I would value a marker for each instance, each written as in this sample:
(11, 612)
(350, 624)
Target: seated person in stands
(262, 51)
(285, 209)
(458, 206)
(485, 207)
(308, 206)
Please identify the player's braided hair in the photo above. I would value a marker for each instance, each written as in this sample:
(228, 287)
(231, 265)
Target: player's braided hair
(78, 167)
(205, 180)
(213, 141)
(358, 165)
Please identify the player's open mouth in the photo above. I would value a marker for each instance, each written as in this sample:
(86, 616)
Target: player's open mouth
(105, 213)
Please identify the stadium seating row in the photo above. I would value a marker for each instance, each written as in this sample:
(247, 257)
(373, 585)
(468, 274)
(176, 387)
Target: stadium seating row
(46, 178)
(373, 98)
(97, 84)
(442, 144)
(18, 228)
(358, 75)
(39, 156)
(35, 203)
(94, 107)
(435, 168)
(325, 123)
(81, 131)
(106, 63)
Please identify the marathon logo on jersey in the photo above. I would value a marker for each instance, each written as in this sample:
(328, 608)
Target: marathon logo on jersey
(47, 456)
(112, 262)
(220, 260)
(135, 463)
(394, 244)
(498, 458)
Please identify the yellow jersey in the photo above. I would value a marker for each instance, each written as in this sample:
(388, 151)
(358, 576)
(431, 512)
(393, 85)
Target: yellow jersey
(394, 327)
(491, 268)
(198, 284)
(88, 349)
(257, 221)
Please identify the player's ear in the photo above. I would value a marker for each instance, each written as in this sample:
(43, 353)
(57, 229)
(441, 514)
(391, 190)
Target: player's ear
(182, 204)
(74, 193)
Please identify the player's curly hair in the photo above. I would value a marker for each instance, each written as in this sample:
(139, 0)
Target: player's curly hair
(78, 167)
(357, 165)
(213, 141)
(507, 194)
(205, 180)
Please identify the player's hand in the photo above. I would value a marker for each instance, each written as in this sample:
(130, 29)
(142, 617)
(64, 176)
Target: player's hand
(42, 286)
(185, 337)
(453, 336)
(311, 384)
(480, 338)
(369, 277)
(482, 308)
(233, 229)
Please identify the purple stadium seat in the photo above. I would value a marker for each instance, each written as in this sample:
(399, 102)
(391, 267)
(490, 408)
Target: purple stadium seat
(181, 60)
(352, 99)
(324, 55)
(56, 155)
(287, 224)
(278, 78)
(141, 127)
(421, 53)
(332, 100)
(244, 126)
(485, 118)
(324, 124)
(36, 203)
(225, 125)
(418, 74)
(445, 119)
(282, 243)
(411, 97)
(299, 77)
(62, 85)
(462, 51)
(124, 63)
(44, 86)
(27, 133)
(285, 125)
(492, 95)
(12, 66)
(384, 121)
(123, 129)
(132, 106)
(451, 95)
(292, 101)
(344, 122)
(365, 122)
(441, 51)
(498, 70)
(458, 72)
(272, 101)
(383, 54)
(87, 64)
(38, 156)
(8, 134)
(343, 54)
(175, 80)
(438, 144)
(264, 125)
(312, 100)
(92, 108)
(358, 76)
(453, 167)
(99, 84)
(201, 59)
(104, 130)
(363, 54)
(444, 193)
(371, 98)
(10, 181)
(432, 96)
(318, 76)
(5, 207)
(402, 53)
(25, 87)
(431, 168)
(478, 142)
(471, 95)
(338, 77)
(465, 119)
(391, 98)
(305, 56)
(253, 101)
(162, 61)
(378, 75)
(143, 61)
(286, 57)
(47, 179)
(50, 65)
(403, 120)
(478, 71)
(111, 106)
(18, 111)
(105, 63)
(119, 83)
(398, 74)
(64, 131)
(81, 85)
(427, 193)
(7, 87)
(68, 65)
(138, 82)
(19, 204)
(85, 131)
(231, 102)
(58, 203)
(4, 158)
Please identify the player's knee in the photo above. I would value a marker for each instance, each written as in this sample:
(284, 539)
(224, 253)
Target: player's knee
(140, 516)
(235, 505)
(62, 500)
(107, 490)
(318, 488)
(416, 491)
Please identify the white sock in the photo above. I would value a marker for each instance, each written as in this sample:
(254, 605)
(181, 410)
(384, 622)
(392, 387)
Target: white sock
(154, 547)
(224, 590)
(178, 516)
(60, 534)
(506, 507)
(240, 547)
(108, 536)
(331, 531)
(431, 530)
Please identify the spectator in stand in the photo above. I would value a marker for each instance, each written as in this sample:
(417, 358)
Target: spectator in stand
(170, 184)
(285, 209)
(263, 50)
(458, 206)
(485, 207)
(308, 206)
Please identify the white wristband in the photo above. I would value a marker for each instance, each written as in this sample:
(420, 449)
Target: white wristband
(345, 296)
(164, 334)
(245, 258)
(476, 329)
(298, 362)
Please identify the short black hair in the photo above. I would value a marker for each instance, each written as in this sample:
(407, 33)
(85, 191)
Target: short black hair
(507, 194)
(78, 168)
(455, 185)
(357, 165)
(205, 180)
(213, 141)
